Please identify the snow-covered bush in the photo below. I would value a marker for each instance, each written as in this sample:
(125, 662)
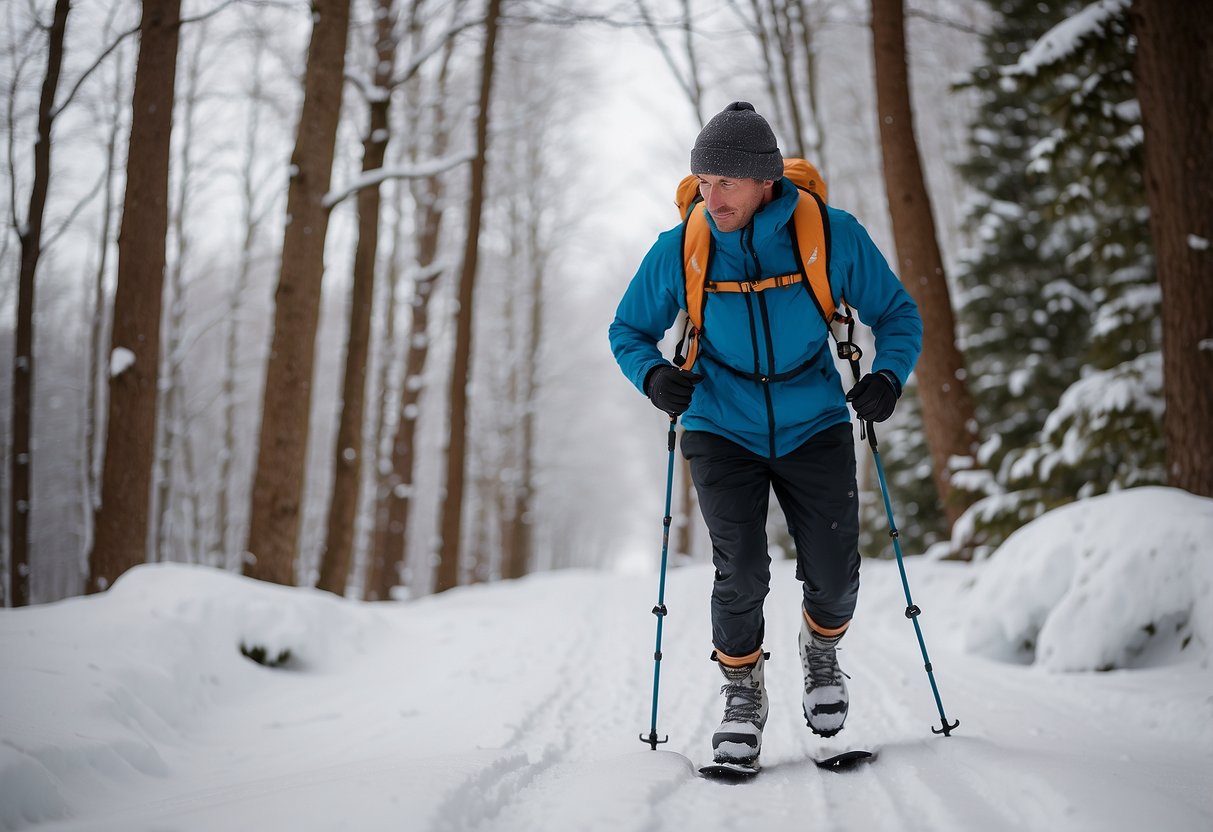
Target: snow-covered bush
(1095, 586)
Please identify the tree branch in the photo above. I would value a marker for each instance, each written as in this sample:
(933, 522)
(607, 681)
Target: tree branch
(100, 59)
(418, 60)
(373, 178)
(117, 41)
(942, 21)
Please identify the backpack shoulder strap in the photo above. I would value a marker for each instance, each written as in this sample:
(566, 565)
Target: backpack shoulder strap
(818, 280)
(811, 228)
(696, 254)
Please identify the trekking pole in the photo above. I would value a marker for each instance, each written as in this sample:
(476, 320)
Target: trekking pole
(660, 610)
(912, 610)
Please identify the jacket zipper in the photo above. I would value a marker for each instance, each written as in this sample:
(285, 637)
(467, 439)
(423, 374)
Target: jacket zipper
(748, 244)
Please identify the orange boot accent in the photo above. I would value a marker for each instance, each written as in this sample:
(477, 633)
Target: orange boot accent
(738, 661)
(825, 631)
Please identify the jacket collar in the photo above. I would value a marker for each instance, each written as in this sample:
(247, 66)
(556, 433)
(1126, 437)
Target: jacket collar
(767, 222)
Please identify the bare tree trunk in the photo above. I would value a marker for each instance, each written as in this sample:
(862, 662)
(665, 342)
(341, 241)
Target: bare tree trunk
(690, 84)
(383, 422)
(764, 43)
(390, 547)
(171, 425)
(815, 147)
(948, 412)
(694, 84)
(523, 542)
(193, 499)
(1175, 88)
(487, 499)
(97, 330)
(787, 54)
(504, 419)
(347, 477)
(251, 220)
(447, 572)
(286, 411)
(23, 359)
(685, 510)
(522, 535)
(121, 522)
(782, 28)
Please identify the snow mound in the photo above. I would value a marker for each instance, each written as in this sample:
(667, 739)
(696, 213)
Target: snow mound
(1122, 580)
(139, 667)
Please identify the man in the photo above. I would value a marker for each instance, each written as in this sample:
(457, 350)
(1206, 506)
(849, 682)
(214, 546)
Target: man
(764, 409)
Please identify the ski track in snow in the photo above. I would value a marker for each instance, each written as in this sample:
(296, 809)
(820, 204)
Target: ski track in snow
(518, 707)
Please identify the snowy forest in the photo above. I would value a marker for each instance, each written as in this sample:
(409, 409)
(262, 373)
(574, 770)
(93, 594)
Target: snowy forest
(318, 292)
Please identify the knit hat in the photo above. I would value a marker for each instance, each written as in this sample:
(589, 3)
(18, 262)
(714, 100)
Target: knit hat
(738, 143)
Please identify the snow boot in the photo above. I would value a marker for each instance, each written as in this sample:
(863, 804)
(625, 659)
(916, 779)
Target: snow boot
(739, 737)
(825, 687)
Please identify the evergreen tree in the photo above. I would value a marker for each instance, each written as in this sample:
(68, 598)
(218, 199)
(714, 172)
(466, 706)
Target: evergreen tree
(1020, 318)
(1060, 301)
(1023, 317)
(1106, 431)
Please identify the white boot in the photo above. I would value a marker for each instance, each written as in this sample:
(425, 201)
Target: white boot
(739, 737)
(825, 686)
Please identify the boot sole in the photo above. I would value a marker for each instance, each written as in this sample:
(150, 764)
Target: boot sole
(822, 734)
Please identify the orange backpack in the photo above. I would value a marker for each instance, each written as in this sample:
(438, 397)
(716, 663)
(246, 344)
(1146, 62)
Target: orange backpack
(811, 238)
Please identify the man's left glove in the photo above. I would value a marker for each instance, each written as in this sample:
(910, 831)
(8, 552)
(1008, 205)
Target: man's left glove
(875, 395)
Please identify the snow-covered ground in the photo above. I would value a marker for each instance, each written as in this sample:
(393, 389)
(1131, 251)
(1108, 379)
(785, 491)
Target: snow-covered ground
(517, 706)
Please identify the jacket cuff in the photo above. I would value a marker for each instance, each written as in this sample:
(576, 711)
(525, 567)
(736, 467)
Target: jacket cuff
(893, 380)
(648, 376)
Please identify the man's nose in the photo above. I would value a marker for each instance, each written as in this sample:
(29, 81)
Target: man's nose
(710, 198)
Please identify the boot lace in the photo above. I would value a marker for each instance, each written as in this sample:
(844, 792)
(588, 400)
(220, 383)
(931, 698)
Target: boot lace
(741, 703)
(823, 667)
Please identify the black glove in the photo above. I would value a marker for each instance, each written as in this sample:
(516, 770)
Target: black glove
(874, 396)
(670, 389)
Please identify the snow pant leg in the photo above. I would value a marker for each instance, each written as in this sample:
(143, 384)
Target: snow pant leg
(733, 486)
(816, 488)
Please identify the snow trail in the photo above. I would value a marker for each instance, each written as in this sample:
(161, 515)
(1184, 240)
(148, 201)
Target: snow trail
(518, 706)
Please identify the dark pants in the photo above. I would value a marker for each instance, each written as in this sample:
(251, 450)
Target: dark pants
(815, 486)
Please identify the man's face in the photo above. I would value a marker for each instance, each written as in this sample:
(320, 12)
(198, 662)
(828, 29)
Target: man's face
(733, 202)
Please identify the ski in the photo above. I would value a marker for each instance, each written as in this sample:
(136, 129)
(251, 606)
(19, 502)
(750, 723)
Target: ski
(846, 760)
(733, 772)
(730, 772)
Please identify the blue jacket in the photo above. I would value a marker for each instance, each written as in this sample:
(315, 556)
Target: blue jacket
(769, 332)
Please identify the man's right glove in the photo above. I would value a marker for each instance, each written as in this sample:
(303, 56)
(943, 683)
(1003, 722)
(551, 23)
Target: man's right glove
(670, 389)
(875, 395)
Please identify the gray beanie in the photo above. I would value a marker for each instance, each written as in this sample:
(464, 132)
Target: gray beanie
(739, 143)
